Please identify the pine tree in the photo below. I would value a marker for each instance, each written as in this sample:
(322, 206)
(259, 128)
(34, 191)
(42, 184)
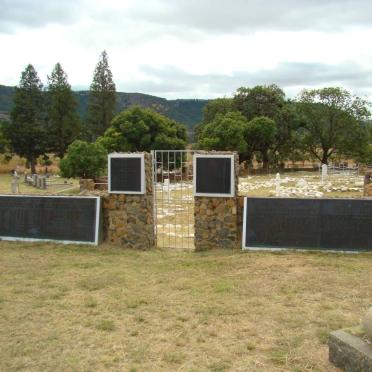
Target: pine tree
(63, 124)
(27, 129)
(102, 99)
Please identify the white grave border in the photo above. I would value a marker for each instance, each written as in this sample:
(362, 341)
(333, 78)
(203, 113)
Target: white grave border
(96, 222)
(232, 175)
(143, 176)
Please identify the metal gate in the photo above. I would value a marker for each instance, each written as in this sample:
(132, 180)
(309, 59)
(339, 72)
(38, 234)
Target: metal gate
(173, 198)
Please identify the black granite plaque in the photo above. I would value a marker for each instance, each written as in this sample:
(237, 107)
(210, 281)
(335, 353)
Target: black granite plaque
(126, 174)
(213, 176)
(337, 224)
(52, 218)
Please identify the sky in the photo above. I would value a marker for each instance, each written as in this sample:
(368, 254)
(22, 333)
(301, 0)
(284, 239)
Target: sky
(192, 48)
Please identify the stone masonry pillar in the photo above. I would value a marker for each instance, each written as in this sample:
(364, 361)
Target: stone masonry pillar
(128, 219)
(216, 218)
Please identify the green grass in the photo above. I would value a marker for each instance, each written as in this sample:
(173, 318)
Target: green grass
(102, 308)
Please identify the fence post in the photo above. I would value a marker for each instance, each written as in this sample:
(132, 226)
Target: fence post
(128, 219)
(216, 218)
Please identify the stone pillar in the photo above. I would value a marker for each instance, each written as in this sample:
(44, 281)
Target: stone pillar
(216, 218)
(368, 184)
(128, 219)
(86, 184)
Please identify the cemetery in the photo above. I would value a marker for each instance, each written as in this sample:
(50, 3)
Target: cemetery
(155, 208)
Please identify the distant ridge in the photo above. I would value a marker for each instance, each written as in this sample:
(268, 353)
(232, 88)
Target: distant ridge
(186, 111)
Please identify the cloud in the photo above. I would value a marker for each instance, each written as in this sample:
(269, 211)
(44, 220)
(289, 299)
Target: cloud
(226, 16)
(291, 76)
(38, 13)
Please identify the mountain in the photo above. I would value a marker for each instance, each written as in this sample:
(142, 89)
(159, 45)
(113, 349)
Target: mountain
(186, 111)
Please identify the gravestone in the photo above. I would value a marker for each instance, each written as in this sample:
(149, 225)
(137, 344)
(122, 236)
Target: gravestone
(324, 172)
(15, 185)
(277, 184)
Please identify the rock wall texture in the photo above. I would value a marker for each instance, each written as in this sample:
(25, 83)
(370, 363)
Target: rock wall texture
(368, 184)
(128, 219)
(86, 184)
(216, 218)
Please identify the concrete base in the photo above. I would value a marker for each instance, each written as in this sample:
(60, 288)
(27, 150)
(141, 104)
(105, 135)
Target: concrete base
(350, 353)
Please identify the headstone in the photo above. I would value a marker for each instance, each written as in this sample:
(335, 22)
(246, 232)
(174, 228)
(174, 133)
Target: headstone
(277, 184)
(15, 185)
(324, 172)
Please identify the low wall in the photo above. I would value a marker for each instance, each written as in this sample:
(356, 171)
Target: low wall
(368, 184)
(333, 224)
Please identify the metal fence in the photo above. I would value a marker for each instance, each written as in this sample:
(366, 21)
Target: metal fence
(341, 169)
(173, 198)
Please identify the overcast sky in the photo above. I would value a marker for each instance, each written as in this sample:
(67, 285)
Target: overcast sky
(192, 48)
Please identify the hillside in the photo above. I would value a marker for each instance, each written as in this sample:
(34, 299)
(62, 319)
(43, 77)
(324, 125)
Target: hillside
(186, 111)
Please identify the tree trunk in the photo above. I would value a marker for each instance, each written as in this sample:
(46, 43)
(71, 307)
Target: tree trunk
(33, 165)
(265, 160)
(325, 157)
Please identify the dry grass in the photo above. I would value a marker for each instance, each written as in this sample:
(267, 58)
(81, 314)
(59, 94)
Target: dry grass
(6, 166)
(71, 188)
(85, 308)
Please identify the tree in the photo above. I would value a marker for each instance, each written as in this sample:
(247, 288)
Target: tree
(27, 129)
(63, 124)
(261, 100)
(269, 101)
(139, 129)
(102, 99)
(260, 135)
(226, 132)
(4, 140)
(211, 109)
(334, 122)
(83, 159)
(217, 106)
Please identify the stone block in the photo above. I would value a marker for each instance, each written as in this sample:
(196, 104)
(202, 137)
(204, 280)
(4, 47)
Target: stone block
(350, 353)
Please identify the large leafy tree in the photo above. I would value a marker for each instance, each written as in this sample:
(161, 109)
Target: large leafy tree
(269, 101)
(334, 122)
(27, 130)
(226, 132)
(211, 109)
(139, 129)
(260, 135)
(261, 100)
(63, 124)
(102, 99)
(217, 106)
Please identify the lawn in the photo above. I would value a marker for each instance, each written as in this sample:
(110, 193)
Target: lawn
(88, 309)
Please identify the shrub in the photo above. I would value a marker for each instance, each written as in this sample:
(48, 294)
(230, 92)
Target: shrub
(83, 159)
